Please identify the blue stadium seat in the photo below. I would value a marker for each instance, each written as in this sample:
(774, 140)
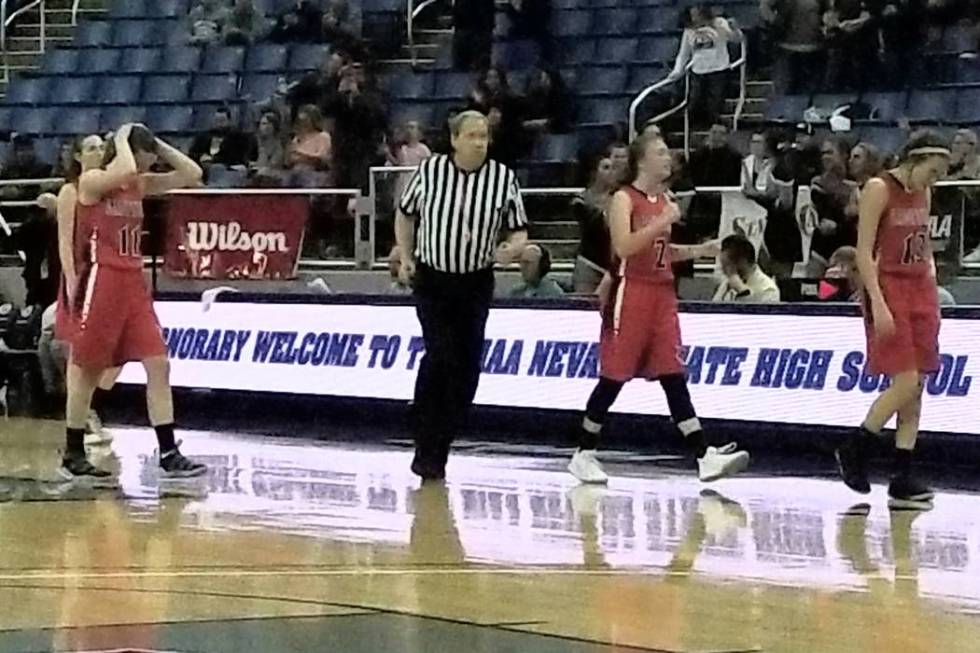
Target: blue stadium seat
(203, 116)
(113, 117)
(410, 87)
(71, 90)
(615, 51)
(453, 86)
(658, 20)
(60, 62)
(103, 60)
(967, 71)
(968, 106)
(887, 139)
(382, 6)
(172, 33)
(307, 57)
(28, 91)
(602, 112)
(139, 60)
(831, 101)
(422, 113)
(119, 90)
(166, 88)
(643, 76)
(266, 58)
(135, 33)
(602, 81)
(886, 107)
(747, 15)
(571, 23)
(787, 108)
(93, 34)
(168, 8)
(47, 149)
(214, 88)
(5, 115)
(657, 49)
(222, 177)
(129, 9)
(259, 87)
(580, 51)
(169, 119)
(77, 120)
(615, 22)
(181, 59)
(516, 55)
(33, 121)
(556, 148)
(931, 106)
(959, 38)
(223, 60)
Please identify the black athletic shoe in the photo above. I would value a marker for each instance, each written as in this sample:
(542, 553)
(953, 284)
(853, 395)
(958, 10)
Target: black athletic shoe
(852, 462)
(906, 491)
(175, 465)
(427, 469)
(76, 467)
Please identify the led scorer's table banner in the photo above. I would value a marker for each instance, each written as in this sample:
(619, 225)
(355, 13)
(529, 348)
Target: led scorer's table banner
(803, 369)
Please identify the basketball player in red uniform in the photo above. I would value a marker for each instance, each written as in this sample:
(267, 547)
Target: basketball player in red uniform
(87, 154)
(640, 329)
(112, 309)
(901, 310)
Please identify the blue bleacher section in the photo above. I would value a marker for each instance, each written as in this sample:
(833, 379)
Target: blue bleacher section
(136, 65)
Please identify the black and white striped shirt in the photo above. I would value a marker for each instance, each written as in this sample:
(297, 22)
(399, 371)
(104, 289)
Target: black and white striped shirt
(461, 213)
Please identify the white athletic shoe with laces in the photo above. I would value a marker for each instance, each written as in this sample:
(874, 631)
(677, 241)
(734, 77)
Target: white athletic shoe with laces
(95, 431)
(719, 462)
(586, 468)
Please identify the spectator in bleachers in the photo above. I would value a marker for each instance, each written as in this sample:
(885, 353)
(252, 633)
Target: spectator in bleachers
(965, 161)
(535, 266)
(834, 199)
(207, 18)
(790, 169)
(38, 239)
(244, 24)
(852, 45)
(902, 28)
(310, 152)
(23, 163)
(64, 162)
(589, 209)
(531, 19)
(473, 21)
(704, 45)
(619, 155)
(547, 106)
(743, 280)
(757, 166)
(716, 163)
(268, 159)
(298, 24)
(491, 90)
(320, 88)
(223, 144)
(406, 149)
(493, 97)
(842, 280)
(865, 162)
(335, 27)
(796, 27)
(360, 121)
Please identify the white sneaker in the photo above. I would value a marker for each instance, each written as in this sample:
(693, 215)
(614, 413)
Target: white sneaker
(586, 468)
(722, 516)
(718, 462)
(95, 431)
(972, 257)
(586, 499)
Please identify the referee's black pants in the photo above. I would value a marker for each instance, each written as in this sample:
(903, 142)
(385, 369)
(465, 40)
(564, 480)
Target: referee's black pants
(452, 309)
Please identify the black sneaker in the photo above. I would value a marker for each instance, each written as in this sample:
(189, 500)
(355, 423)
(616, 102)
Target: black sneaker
(427, 469)
(852, 462)
(175, 465)
(76, 467)
(906, 491)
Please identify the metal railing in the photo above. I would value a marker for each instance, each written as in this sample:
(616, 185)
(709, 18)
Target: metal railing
(7, 21)
(738, 64)
(413, 12)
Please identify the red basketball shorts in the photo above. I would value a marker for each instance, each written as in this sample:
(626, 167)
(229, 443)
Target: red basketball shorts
(112, 319)
(914, 305)
(641, 335)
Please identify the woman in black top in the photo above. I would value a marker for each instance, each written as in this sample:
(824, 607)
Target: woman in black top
(834, 199)
(589, 209)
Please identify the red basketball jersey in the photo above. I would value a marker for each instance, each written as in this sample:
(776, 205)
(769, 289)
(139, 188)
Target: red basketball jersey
(109, 233)
(902, 244)
(653, 263)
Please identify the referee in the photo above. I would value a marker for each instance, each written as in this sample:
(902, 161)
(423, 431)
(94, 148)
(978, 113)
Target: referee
(457, 206)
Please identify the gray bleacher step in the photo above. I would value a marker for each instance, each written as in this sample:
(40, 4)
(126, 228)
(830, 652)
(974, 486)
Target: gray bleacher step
(752, 105)
(423, 50)
(23, 60)
(555, 230)
(407, 62)
(560, 249)
(59, 31)
(759, 89)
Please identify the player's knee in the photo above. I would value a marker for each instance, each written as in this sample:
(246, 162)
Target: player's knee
(157, 369)
(909, 385)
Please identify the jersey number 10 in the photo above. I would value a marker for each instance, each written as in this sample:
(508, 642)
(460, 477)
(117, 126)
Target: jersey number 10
(914, 250)
(130, 240)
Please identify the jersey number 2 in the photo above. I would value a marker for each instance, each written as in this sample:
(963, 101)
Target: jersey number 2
(130, 239)
(914, 250)
(660, 245)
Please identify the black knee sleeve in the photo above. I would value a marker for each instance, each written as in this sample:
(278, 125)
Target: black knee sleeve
(678, 397)
(602, 399)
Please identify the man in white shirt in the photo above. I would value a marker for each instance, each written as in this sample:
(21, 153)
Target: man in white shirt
(743, 281)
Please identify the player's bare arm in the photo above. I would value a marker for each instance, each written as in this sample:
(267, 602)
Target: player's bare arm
(67, 197)
(185, 174)
(627, 242)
